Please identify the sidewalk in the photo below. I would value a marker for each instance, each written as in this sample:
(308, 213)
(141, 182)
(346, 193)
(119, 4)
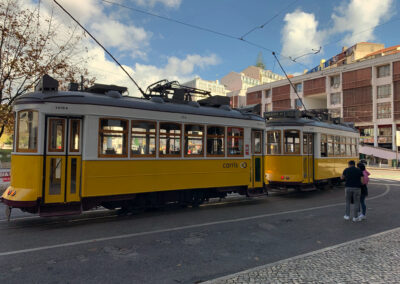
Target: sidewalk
(374, 259)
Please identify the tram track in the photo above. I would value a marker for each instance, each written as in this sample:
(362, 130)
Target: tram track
(105, 214)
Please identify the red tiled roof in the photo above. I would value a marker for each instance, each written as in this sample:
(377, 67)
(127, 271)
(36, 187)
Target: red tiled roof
(384, 50)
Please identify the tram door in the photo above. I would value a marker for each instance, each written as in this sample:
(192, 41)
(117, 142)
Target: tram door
(308, 157)
(257, 154)
(63, 160)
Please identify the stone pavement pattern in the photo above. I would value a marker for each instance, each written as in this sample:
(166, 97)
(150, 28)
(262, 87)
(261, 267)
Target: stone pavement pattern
(374, 259)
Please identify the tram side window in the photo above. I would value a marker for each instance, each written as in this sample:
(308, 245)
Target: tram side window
(194, 135)
(75, 135)
(343, 146)
(330, 146)
(292, 141)
(324, 146)
(216, 141)
(348, 146)
(113, 137)
(274, 142)
(170, 139)
(235, 141)
(56, 135)
(143, 138)
(337, 146)
(27, 134)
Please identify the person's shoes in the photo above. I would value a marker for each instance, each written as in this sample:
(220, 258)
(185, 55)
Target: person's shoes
(358, 219)
(362, 217)
(346, 217)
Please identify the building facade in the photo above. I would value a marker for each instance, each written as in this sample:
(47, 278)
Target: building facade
(365, 92)
(238, 83)
(215, 87)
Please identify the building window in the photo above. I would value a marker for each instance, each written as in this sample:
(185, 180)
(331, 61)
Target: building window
(268, 93)
(274, 142)
(298, 104)
(367, 135)
(170, 139)
(27, 134)
(216, 141)
(384, 91)
(143, 138)
(384, 110)
(324, 146)
(292, 141)
(383, 71)
(384, 134)
(335, 98)
(235, 141)
(194, 136)
(113, 137)
(335, 81)
(335, 112)
(299, 87)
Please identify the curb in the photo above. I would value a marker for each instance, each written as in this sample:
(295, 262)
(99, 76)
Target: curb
(261, 267)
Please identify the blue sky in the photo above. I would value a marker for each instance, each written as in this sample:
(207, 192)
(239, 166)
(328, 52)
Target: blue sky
(152, 48)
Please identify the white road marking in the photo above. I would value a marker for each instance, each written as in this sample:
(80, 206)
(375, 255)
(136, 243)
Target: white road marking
(125, 236)
(261, 267)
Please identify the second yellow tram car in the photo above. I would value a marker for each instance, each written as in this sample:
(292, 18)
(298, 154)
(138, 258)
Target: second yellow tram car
(75, 150)
(305, 149)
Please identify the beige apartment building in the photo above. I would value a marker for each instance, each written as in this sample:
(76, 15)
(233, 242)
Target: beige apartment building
(214, 87)
(238, 83)
(366, 92)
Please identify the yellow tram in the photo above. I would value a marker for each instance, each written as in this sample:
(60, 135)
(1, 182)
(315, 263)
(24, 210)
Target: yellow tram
(75, 150)
(306, 149)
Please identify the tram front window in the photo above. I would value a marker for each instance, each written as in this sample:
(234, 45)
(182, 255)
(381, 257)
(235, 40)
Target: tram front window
(27, 131)
(274, 142)
(292, 141)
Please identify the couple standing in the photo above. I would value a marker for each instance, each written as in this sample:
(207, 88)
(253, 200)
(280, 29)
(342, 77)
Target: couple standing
(356, 189)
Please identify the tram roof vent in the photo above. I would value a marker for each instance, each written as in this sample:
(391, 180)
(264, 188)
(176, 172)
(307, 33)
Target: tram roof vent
(46, 84)
(113, 94)
(225, 107)
(215, 101)
(292, 113)
(194, 104)
(103, 89)
(157, 100)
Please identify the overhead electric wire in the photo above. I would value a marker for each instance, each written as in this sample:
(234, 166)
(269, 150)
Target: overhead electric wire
(268, 21)
(290, 82)
(197, 27)
(76, 21)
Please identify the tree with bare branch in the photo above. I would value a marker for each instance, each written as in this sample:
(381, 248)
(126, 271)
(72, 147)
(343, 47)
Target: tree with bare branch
(31, 45)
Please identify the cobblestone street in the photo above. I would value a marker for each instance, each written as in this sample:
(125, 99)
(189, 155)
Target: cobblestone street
(372, 259)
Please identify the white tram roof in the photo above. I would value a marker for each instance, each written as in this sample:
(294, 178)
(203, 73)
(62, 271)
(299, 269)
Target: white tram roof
(86, 98)
(302, 121)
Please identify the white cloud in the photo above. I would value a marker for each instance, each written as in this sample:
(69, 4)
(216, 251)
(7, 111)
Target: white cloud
(354, 19)
(126, 37)
(123, 37)
(152, 3)
(300, 34)
(181, 69)
(359, 17)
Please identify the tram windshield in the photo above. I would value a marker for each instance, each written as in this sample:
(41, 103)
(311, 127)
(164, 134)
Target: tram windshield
(292, 141)
(274, 142)
(27, 133)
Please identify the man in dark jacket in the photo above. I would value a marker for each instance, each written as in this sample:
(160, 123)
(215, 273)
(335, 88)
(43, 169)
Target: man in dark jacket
(353, 177)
